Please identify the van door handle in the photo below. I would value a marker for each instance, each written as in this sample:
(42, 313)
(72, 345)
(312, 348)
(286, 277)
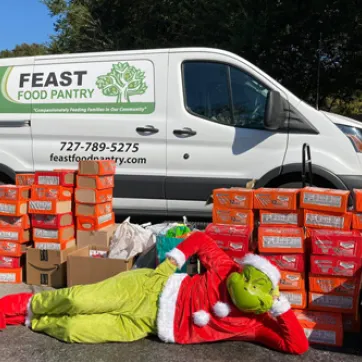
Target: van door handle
(147, 130)
(184, 132)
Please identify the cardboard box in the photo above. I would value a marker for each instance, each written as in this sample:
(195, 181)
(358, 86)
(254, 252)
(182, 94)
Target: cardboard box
(320, 199)
(54, 235)
(235, 237)
(93, 210)
(11, 276)
(95, 182)
(47, 267)
(288, 262)
(101, 237)
(24, 179)
(93, 196)
(351, 324)
(51, 207)
(17, 235)
(357, 200)
(276, 199)
(328, 284)
(291, 280)
(336, 242)
(296, 298)
(13, 208)
(83, 269)
(9, 262)
(56, 178)
(233, 217)
(321, 327)
(51, 245)
(357, 221)
(52, 221)
(97, 168)
(334, 265)
(15, 221)
(281, 240)
(14, 193)
(45, 193)
(87, 223)
(332, 302)
(278, 218)
(324, 220)
(9, 248)
(235, 198)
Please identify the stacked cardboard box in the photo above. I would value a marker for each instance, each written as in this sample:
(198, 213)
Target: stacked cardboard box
(51, 206)
(94, 195)
(281, 239)
(14, 231)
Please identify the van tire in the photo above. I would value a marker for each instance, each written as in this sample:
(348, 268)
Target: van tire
(292, 182)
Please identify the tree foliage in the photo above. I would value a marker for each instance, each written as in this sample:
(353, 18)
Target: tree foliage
(24, 50)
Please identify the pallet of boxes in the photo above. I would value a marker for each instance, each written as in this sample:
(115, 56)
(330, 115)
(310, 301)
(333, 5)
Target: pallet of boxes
(95, 225)
(15, 235)
(51, 208)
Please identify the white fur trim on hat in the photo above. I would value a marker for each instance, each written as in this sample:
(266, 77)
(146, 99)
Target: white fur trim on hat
(280, 306)
(178, 255)
(262, 264)
(201, 318)
(221, 309)
(29, 314)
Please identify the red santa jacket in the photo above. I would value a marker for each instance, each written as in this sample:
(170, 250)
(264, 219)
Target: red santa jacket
(198, 309)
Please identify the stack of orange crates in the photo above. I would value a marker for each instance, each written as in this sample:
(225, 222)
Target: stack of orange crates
(94, 195)
(51, 208)
(281, 239)
(15, 233)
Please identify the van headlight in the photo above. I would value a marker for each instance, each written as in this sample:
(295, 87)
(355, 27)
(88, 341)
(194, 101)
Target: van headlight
(354, 134)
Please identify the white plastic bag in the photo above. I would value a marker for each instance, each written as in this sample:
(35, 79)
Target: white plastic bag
(130, 240)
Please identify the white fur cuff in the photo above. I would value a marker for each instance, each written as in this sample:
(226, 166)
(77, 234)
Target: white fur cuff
(280, 306)
(178, 255)
(201, 318)
(29, 314)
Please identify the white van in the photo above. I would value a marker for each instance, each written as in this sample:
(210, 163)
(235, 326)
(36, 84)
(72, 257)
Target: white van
(178, 122)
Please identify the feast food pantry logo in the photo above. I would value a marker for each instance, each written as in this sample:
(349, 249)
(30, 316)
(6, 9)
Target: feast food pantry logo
(94, 87)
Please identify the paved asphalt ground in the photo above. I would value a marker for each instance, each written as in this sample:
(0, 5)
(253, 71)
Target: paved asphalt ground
(19, 344)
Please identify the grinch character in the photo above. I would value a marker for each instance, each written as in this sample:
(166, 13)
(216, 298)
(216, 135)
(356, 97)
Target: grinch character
(227, 302)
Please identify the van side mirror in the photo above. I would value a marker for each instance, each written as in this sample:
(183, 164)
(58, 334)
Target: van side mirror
(274, 111)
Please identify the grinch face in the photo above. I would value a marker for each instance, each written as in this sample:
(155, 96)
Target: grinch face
(251, 291)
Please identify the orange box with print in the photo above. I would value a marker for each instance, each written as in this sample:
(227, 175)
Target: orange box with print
(9, 262)
(50, 207)
(333, 302)
(11, 276)
(357, 221)
(279, 218)
(235, 198)
(64, 178)
(14, 193)
(15, 221)
(10, 248)
(50, 245)
(358, 200)
(328, 284)
(335, 265)
(44, 193)
(97, 168)
(17, 235)
(276, 199)
(288, 262)
(52, 221)
(24, 179)
(87, 223)
(321, 327)
(13, 208)
(233, 217)
(278, 240)
(291, 280)
(296, 298)
(327, 220)
(95, 182)
(93, 196)
(93, 210)
(54, 235)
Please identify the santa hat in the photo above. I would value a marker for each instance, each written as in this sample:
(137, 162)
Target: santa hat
(262, 264)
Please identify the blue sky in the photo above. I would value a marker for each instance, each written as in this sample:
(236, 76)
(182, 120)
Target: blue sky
(31, 24)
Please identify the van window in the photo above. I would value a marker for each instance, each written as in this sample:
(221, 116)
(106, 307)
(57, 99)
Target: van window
(224, 94)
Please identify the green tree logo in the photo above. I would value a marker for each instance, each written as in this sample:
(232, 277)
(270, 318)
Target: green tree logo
(123, 82)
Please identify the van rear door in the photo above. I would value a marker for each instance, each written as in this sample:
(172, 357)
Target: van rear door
(107, 106)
